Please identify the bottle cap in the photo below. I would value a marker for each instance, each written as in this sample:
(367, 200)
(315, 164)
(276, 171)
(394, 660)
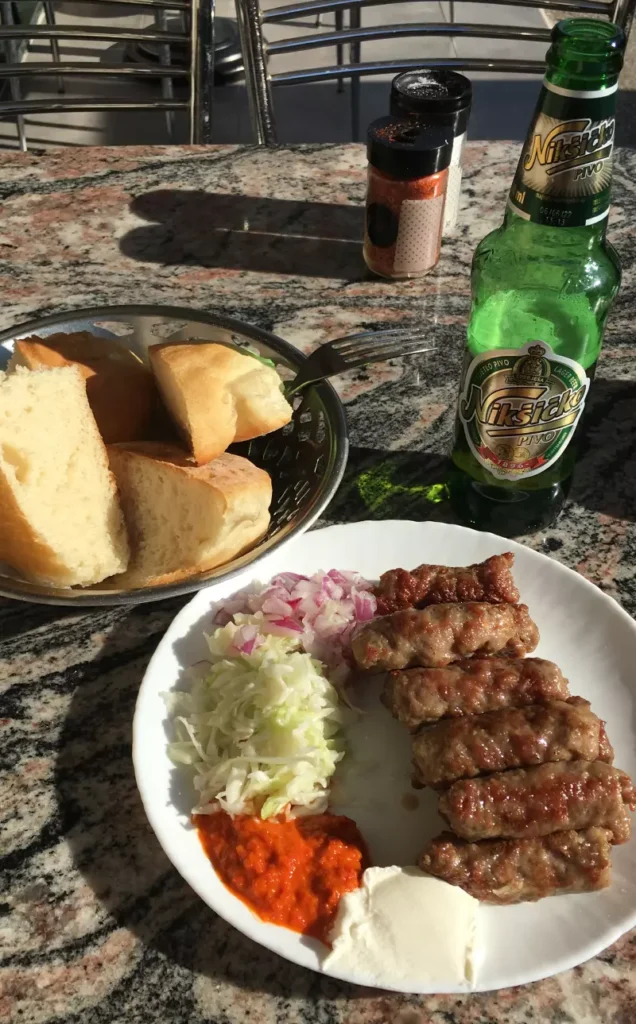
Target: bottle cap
(406, 150)
(432, 97)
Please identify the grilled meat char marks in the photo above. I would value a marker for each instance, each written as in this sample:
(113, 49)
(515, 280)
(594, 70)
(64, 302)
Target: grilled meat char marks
(505, 871)
(471, 686)
(442, 633)
(530, 802)
(510, 738)
(525, 769)
(441, 584)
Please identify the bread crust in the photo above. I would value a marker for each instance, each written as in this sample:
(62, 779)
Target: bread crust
(217, 395)
(233, 477)
(120, 390)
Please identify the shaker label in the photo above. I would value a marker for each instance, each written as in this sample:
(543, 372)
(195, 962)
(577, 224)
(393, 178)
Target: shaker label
(564, 174)
(519, 408)
(418, 242)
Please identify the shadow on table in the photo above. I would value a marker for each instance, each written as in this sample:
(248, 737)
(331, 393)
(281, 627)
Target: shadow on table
(605, 477)
(236, 232)
(411, 484)
(381, 484)
(114, 848)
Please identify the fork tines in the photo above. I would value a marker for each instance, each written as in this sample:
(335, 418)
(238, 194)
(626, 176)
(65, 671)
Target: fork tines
(386, 350)
(375, 339)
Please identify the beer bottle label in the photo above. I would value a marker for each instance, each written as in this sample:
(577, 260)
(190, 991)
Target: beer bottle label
(520, 407)
(565, 170)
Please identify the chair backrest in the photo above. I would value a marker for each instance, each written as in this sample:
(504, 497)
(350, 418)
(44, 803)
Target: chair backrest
(256, 50)
(194, 34)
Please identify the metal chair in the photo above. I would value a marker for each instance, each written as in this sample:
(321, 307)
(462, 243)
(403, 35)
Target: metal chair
(195, 33)
(256, 51)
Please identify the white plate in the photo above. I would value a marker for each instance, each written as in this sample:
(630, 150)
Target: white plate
(584, 631)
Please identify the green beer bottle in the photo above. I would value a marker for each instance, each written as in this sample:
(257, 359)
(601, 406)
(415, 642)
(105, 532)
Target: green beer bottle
(542, 286)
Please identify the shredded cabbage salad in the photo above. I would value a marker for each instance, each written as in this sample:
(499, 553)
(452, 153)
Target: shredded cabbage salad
(261, 726)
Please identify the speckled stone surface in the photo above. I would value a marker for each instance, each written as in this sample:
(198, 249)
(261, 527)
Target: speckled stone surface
(95, 925)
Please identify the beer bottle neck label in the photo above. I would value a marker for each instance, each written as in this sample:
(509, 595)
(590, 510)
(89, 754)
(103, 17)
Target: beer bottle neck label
(564, 173)
(520, 407)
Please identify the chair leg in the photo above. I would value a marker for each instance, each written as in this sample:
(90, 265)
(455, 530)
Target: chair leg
(165, 59)
(354, 22)
(6, 17)
(451, 19)
(257, 80)
(340, 47)
(201, 70)
(622, 12)
(49, 15)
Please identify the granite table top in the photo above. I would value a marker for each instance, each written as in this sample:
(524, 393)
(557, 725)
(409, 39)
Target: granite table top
(95, 925)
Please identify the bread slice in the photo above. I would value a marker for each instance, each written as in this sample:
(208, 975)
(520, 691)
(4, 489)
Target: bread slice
(60, 520)
(217, 395)
(184, 518)
(121, 390)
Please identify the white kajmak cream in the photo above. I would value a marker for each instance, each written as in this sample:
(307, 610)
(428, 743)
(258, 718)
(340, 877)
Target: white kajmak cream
(403, 929)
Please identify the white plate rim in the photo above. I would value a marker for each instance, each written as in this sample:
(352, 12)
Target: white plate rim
(274, 938)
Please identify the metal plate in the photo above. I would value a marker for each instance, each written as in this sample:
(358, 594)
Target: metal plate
(306, 459)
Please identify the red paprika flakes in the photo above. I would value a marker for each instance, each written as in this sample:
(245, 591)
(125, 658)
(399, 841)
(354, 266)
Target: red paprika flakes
(408, 174)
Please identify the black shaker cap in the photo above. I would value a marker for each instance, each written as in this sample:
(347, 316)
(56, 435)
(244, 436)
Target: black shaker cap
(433, 97)
(406, 150)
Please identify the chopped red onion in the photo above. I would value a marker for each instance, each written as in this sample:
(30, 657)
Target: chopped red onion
(364, 604)
(247, 639)
(321, 612)
(275, 605)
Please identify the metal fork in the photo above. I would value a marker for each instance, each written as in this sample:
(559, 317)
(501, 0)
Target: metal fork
(355, 350)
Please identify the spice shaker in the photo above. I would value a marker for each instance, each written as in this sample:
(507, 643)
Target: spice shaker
(441, 99)
(408, 172)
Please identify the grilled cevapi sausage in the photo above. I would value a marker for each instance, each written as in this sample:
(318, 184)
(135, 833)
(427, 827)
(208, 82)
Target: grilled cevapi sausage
(461, 748)
(515, 870)
(529, 802)
(442, 633)
(442, 584)
(471, 686)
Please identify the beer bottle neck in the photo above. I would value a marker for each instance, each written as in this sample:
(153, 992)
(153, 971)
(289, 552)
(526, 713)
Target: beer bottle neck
(581, 237)
(564, 174)
(585, 55)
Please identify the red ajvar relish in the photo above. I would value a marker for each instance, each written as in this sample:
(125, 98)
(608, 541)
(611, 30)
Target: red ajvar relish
(291, 873)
